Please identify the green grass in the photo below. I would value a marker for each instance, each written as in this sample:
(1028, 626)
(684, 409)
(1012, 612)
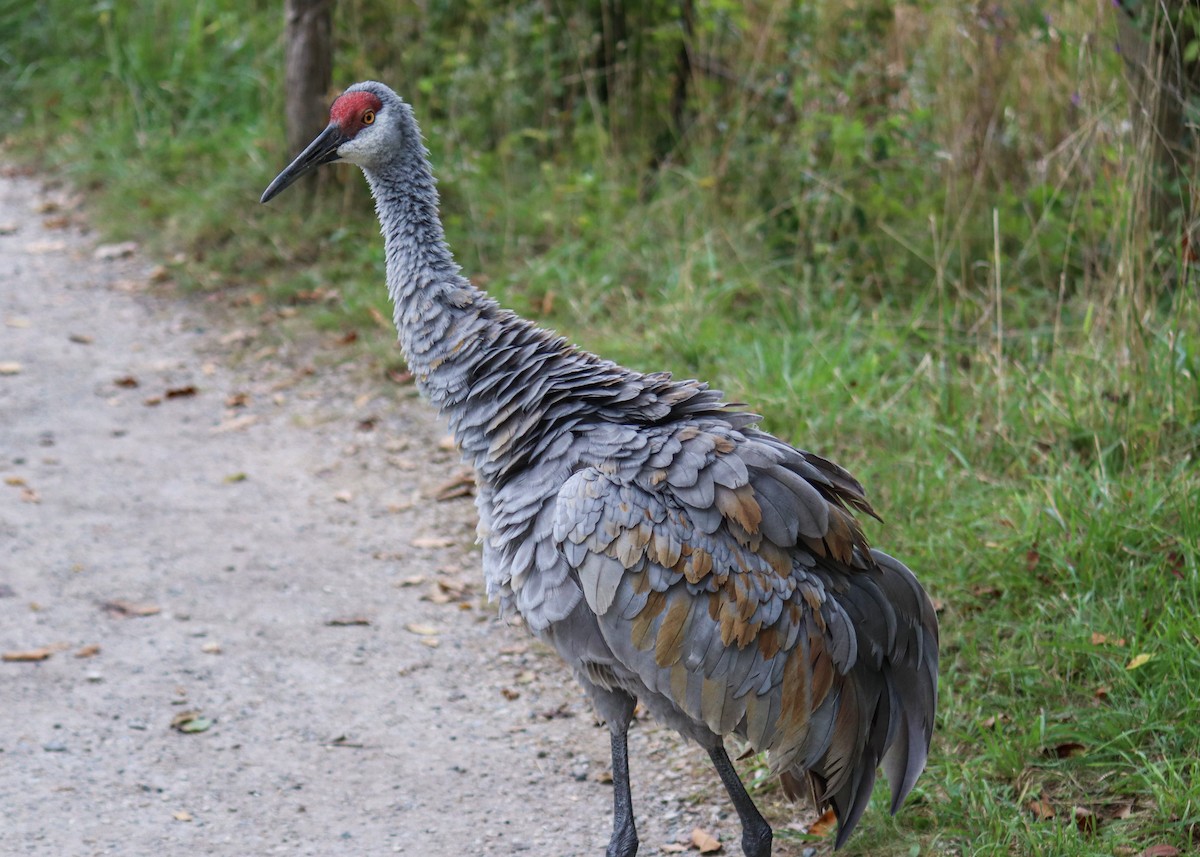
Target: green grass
(944, 277)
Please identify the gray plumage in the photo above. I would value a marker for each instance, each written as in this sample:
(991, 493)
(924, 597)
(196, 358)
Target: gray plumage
(667, 548)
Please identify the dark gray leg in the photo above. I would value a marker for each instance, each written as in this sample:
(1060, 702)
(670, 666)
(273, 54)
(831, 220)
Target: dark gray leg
(756, 833)
(624, 842)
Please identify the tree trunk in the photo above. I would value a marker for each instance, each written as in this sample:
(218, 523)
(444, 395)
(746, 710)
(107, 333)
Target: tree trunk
(308, 72)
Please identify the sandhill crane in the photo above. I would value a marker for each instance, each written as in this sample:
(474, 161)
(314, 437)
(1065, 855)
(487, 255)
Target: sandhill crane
(669, 550)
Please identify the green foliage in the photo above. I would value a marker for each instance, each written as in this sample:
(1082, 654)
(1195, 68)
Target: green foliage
(918, 237)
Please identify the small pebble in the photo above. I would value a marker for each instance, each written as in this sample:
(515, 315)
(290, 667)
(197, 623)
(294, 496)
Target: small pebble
(94, 677)
(54, 747)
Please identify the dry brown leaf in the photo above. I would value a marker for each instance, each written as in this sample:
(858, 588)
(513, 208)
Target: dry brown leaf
(28, 495)
(126, 381)
(15, 481)
(604, 777)
(115, 251)
(461, 484)
(414, 580)
(237, 400)
(1085, 821)
(1041, 809)
(430, 542)
(347, 621)
(130, 609)
(824, 825)
(673, 848)
(181, 392)
(235, 424)
(45, 247)
(28, 655)
(705, 842)
(88, 651)
(81, 338)
(1065, 750)
(1162, 850)
(509, 694)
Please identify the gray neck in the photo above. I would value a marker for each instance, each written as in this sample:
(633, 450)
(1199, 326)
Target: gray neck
(508, 388)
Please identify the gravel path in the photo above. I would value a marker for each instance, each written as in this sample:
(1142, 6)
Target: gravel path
(197, 528)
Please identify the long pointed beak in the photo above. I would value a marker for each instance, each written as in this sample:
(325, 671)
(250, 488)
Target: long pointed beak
(322, 150)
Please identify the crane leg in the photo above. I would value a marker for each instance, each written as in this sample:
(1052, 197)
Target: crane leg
(624, 842)
(756, 833)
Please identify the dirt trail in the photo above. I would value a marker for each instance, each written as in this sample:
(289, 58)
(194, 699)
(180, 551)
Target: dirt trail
(254, 504)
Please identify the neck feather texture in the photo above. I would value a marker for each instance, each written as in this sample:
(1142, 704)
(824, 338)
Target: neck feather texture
(510, 390)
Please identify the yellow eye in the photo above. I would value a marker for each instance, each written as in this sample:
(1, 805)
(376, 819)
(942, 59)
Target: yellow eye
(368, 117)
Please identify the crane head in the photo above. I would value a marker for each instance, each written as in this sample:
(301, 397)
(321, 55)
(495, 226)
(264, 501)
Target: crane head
(354, 133)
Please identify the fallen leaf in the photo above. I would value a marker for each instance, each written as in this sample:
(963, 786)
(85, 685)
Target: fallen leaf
(421, 629)
(235, 424)
(1085, 821)
(604, 777)
(1041, 810)
(1101, 693)
(115, 251)
(28, 655)
(45, 247)
(235, 477)
(400, 376)
(447, 444)
(461, 484)
(28, 495)
(705, 842)
(127, 382)
(130, 609)
(1065, 750)
(15, 481)
(378, 318)
(432, 542)
(990, 722)
(237, 400)
(211, 648)
(81, 338)
(88, 651)
(510, 695)
(1139, 661)
(347, 621)
(415, 580)
(190, 722)
(430, 642)
(181, 392)
(673, 848)
(824, 825)
(1099, 639)
(1160, 851)
(343, 496)
(182, 815)
(152, 401)
(10, 367)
